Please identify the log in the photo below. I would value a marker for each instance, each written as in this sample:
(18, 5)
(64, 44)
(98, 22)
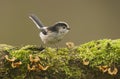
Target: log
(97, 59)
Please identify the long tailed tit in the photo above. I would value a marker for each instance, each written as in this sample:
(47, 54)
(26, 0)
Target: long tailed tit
(52, 34)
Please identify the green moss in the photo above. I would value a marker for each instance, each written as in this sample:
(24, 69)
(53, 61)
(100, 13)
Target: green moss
(67, 63)
(101, 52)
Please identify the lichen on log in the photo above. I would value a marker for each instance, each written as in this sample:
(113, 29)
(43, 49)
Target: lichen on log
(97, 59)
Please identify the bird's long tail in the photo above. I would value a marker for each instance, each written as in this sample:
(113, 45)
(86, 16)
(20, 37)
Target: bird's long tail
(36, 20)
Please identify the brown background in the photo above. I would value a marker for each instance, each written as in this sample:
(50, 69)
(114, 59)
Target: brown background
(88, 19)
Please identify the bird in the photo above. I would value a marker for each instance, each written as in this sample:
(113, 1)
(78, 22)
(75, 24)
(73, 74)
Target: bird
(52, 34)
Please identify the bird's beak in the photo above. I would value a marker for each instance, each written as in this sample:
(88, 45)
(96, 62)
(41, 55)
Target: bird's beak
(68, 28)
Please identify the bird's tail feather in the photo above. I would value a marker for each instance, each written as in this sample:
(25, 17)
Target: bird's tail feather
(36, 20)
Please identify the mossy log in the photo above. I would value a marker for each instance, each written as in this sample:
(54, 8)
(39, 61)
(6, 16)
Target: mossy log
(97, 59)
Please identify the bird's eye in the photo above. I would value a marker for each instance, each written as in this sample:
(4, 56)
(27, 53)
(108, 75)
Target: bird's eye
(63, 27)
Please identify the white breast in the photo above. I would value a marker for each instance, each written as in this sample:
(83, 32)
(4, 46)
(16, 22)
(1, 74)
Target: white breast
(51, 38)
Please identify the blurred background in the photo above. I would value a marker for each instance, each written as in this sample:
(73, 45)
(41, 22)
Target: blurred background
(88, 19)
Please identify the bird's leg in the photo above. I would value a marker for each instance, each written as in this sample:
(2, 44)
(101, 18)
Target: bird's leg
(56, 46)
